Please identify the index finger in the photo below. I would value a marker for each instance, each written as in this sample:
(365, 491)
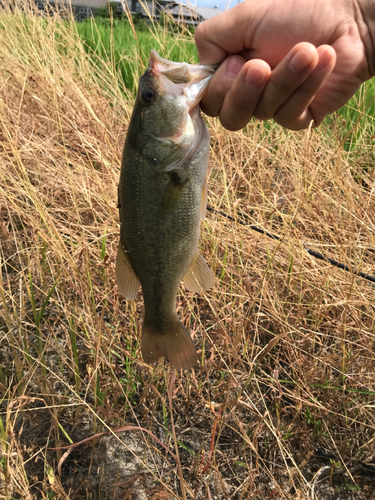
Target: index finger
(222, 35)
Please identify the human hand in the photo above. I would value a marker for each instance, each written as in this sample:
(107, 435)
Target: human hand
(292, 60)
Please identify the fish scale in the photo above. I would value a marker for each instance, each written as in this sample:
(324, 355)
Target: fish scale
(161, 202)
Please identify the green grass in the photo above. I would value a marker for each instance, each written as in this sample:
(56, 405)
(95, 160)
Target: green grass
(358, 120)
(114, 42)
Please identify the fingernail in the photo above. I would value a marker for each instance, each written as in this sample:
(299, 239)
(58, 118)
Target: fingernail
(300, 61)
(255, 78)
(234, 67)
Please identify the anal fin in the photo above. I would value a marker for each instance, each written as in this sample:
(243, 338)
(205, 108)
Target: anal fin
(127, 280)
(199, 276)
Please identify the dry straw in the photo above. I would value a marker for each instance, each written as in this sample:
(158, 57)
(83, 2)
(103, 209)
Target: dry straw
(290, 418)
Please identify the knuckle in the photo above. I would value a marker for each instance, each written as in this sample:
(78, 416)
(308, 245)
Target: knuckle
(212, 102)
(290, 125)
(262, 114)
(230, 124)
(290, 122)
(210, 110)
(284, 87)
(219, 87)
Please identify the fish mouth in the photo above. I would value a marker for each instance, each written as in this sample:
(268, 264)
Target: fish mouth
(188, 80)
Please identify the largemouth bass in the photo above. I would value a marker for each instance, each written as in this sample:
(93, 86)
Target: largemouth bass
(162, 198)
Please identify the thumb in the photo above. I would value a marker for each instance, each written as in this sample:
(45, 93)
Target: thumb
(225, 34)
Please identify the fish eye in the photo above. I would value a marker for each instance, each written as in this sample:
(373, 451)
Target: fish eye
(148, 95)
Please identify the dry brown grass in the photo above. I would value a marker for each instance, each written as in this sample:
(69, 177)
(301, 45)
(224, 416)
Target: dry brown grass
(291, 418)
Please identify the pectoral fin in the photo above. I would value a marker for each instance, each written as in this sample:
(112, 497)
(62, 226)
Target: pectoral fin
(199, 276)
(173, 192)
(127, 280)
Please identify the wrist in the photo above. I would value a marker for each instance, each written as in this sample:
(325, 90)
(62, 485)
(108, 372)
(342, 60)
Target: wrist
(365, 17)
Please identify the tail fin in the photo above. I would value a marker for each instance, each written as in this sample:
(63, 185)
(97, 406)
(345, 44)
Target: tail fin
(174, 343)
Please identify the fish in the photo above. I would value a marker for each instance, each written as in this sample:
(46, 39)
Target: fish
(162, 198)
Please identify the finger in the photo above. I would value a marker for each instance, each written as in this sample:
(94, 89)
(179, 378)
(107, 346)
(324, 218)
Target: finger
(216, 38)
(241, 100)
(286, 78)
(339, 87)
(220, 85)
(295, 113)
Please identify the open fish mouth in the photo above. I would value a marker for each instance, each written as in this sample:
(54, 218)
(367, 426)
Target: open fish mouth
(188, 80)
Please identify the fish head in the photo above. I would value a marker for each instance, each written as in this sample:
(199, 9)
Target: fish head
(169, 125)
